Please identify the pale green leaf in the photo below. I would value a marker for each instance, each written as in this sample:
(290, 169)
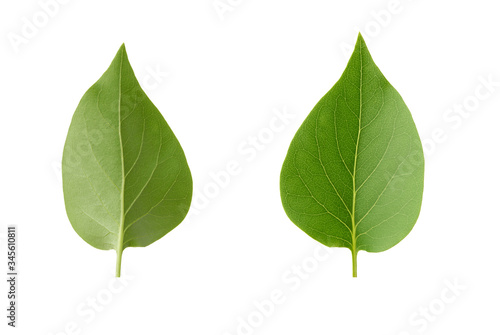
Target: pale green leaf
(125, 177)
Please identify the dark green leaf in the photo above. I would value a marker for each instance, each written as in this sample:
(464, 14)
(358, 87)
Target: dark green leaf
(353, 176)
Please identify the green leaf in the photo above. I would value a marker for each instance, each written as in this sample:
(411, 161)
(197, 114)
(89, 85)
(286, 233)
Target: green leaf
(353, 176)
(125, 177)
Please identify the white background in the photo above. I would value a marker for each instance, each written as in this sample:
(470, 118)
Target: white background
(227, 76)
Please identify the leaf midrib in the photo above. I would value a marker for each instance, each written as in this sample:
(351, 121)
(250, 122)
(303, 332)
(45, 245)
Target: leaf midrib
(353, 211)
(122, 193)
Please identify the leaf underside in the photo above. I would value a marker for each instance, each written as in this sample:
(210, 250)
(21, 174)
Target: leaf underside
(354, 173)
(125, 177)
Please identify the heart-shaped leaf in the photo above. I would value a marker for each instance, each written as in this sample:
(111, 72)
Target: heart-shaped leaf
(125, 177)
(353, 176)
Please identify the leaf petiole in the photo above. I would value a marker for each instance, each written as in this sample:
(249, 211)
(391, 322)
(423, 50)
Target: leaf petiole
(354, 263)
(118, 262)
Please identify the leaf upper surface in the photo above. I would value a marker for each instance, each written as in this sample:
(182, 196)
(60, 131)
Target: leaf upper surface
(353, 175)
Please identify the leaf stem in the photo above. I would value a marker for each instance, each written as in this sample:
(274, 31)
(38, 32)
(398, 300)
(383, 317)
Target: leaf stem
(354, 263)
(119, 262)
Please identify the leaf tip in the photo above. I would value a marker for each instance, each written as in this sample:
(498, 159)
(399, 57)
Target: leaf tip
(122, 48)
(360, 40)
